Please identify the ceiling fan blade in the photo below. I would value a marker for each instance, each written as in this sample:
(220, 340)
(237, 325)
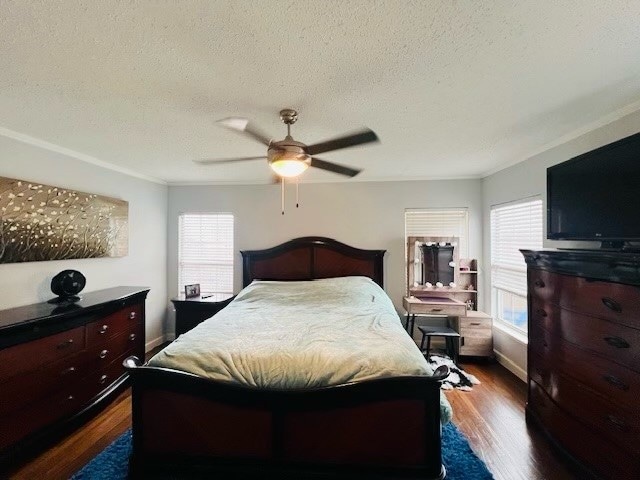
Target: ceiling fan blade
(334, 167)
(351, 140)
(213, 161)
(242, 125)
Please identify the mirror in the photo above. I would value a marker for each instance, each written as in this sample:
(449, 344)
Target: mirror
(437, 264)
(432, 262)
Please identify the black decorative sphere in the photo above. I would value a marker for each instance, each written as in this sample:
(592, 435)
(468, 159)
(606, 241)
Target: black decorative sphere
(67, 284)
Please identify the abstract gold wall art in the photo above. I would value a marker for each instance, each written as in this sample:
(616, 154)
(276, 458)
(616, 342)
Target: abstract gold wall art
(41, 222)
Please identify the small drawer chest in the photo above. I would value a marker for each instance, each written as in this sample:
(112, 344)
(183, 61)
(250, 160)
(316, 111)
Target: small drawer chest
(476, 336)
(59, 363)
(584, 356)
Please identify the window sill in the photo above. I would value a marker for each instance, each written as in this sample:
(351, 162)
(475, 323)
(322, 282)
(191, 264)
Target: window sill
(519, 336)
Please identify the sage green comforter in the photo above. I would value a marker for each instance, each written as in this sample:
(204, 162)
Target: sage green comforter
(301, 335)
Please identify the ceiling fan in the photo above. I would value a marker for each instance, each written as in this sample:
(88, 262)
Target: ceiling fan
(289, 158)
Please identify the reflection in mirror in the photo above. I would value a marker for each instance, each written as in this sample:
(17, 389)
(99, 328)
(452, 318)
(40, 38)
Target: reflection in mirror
(438, 265)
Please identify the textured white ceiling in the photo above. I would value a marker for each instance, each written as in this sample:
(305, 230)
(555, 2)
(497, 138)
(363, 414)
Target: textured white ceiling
(453, 88)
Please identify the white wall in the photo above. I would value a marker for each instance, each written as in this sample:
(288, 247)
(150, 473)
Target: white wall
(25, 283)
(526, 179)
(361, 214)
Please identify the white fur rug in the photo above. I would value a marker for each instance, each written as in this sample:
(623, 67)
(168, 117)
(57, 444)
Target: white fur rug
(457, 378)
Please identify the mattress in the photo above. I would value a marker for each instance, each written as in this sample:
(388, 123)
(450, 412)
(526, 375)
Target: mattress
(294, 335)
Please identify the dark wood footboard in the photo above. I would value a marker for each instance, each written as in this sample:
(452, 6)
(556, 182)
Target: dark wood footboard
(383, 428)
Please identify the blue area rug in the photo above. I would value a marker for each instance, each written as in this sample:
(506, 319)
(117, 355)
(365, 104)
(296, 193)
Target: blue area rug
(458, 458)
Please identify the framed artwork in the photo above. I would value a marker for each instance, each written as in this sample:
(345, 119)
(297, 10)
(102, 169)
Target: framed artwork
(42, 222)
(191, 291)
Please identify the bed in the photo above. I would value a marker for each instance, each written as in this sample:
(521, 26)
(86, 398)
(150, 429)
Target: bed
(337, 406)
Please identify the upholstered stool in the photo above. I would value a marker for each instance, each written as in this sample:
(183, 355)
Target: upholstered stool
(450, 337)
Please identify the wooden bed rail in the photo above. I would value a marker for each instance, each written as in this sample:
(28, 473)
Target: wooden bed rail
(282, 426)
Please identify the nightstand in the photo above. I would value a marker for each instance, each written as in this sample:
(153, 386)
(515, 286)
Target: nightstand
(192, 311)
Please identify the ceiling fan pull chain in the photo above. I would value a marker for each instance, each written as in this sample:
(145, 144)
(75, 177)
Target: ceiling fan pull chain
(282, 196)
(297, 196)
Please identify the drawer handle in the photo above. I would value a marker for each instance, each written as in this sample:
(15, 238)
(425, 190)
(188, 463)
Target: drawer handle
(104, 353)
(475, 323)
(132, 337)
(103, 379)
(617, 342)
(541, 313)
(69, 370)
(611, 304)
(436, 309)
(616, 382)
(539, 283)
(619, 424)
(132, 315)
(104, 328)
(66, 344)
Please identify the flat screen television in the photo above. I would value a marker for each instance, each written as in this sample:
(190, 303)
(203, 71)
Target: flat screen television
(596, 196)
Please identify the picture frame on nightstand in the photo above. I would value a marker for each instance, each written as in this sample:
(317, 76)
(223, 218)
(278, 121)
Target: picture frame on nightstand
(191, 291)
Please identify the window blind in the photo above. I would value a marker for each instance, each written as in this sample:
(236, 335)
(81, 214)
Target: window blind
(514, 226)
(205, 252)
(434, 222)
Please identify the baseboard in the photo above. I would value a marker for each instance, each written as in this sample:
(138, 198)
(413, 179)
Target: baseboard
(511, 366)
(150, 345)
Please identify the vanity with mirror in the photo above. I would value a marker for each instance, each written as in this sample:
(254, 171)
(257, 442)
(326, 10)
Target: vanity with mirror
(441, 284)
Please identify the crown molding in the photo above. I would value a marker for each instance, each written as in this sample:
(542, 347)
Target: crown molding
(601, 122)
(52, 147)
(221, 183)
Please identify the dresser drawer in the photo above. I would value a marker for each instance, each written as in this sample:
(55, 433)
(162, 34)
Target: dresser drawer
(33, 355)
(30, 387)
(476, 323)
(476, 342)
(434, 306)
(615, 382)
(102, 354)
(67, 400)
(108, 374)
(122, 321)
(579, 440)
(612, 301)
(614, 341)
(618, 425)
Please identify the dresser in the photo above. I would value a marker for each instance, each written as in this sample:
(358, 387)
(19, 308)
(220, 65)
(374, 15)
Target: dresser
(584, 356)
(59, 363)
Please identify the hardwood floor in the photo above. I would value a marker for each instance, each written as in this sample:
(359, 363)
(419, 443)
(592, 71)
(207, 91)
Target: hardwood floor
(491, 416)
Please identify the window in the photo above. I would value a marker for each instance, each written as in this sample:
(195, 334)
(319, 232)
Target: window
(513, 226)
(205, 252)
(436, 222)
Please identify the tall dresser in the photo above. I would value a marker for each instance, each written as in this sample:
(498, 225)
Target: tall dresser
(60, 363)
(584, 356)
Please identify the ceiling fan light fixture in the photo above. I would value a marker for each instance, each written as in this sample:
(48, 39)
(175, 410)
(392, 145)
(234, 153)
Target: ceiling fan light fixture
(289, 162)
(289, 167)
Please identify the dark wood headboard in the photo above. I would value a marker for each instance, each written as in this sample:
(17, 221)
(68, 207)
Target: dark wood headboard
(310, 258)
